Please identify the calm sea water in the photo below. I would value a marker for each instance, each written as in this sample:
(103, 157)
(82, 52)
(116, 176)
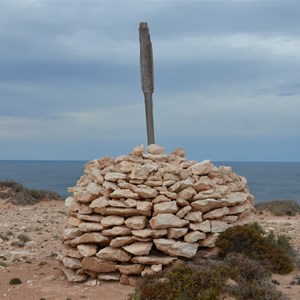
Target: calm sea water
(266, 180)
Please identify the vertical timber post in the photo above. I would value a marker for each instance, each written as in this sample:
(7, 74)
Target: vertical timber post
(146, 63)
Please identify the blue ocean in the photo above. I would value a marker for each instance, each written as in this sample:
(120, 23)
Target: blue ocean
(266, 180)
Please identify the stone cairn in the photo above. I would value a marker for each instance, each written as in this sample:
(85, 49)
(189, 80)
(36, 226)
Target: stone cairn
(133, 215)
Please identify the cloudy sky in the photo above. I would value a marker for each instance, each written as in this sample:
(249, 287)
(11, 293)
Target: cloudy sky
(227, 78)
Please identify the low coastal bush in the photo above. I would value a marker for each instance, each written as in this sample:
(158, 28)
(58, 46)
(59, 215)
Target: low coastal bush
(273, 253)
(17, 194)
(279, 207)
(236, 276)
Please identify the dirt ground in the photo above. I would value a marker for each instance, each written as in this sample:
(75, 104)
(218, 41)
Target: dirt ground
(36, 263)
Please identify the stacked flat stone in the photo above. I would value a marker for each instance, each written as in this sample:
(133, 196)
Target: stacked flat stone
(137, 213)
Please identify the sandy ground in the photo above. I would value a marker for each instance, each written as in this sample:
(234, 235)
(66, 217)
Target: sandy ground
(37, 266)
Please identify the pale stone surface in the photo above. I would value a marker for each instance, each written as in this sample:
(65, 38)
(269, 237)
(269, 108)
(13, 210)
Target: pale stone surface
(91, 237)
(109, 276)
(194, 216)
(117, 231)
(72, 221)
(176, 233)
(144, 205)
(98, 265)
(194, 236)
(114, 176)
(92, 218)
(176, 248)
(72, 276)
(160, 199)
(147, 232)
(156, 268)
(72, 204)
(218, 226)
(99, 202)
(165, 207)
(87, 250)
(187, 193)
(183, 211)
(127, 212)
(124, 193)
(202, 226)
(155, 149)
(146, 193)
(216, 213)
(142, 172)
(167, 221)
(139, 150)
(121, 241)
(210, 240)
(139, 248)
(153, 260)
(71, 262)
(131, 269)
(71, 233)
(70, 251)
(136, 222)
(202, 167)
(112, 221)
(90, 226)
(94, 188)
(117, 203)
(85, 209)
(206, 205)
(114, 254)
(180, 185)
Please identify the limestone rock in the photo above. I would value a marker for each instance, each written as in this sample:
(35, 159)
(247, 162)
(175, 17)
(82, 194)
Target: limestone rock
(176, 248)
(194, 216)
(91, 238)
(136, 222)
(139, 248)
(124, 193)
(90, 226)
(142, 172)
(98, 265)
(218, 226)
(71, 233)
(99, 202)
(153, 260)
(210, 240)
(117, 231)
(155, 149)
(72, 204)
(176, 233)
(87, 250)
(167, 221)
(72, 263)
(202, 168)
(109, 276)
(147, 232)
(113, 254)
(201, 226)
(216, 213)
(131, 269)
(165, 207)
(112, 221)
(146, 193)
(121, 241)
(183, 211)
(114, 176)
(72, 276)
(194, 236)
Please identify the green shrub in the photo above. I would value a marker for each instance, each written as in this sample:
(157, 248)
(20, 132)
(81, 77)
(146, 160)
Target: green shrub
(236, 276)
(279, 207)
(251, 241)
(14, 281)
(23, 238)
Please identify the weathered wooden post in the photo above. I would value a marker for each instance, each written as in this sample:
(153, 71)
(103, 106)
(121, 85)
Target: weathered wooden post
(146, 63)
